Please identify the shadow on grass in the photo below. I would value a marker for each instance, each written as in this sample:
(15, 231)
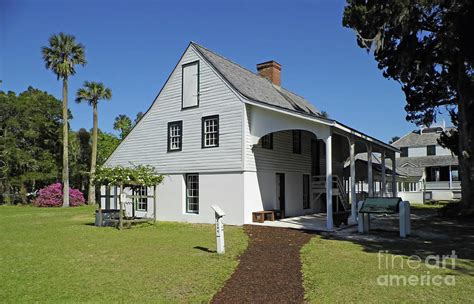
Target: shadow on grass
(431, 235)
(204, 249)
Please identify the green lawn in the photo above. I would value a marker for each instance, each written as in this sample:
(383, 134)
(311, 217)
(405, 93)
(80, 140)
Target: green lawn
(347, 271)
(57, 255)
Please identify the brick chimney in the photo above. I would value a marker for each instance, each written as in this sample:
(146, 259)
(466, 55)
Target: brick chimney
(270, 70)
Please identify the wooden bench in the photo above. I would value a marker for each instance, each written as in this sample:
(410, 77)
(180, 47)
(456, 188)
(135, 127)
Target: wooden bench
(279, 214)
(261, 216)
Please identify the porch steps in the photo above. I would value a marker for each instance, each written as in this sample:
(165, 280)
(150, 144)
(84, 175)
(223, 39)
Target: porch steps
(319, 188)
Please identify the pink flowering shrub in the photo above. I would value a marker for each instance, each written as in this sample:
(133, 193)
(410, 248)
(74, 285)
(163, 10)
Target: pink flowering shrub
(52, 196)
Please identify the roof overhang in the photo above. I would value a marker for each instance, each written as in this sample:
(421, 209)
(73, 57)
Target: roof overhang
(343, 129)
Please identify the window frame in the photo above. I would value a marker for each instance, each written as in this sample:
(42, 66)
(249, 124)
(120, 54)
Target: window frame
(432, 174)
(433, 147)
(402, 149)
(180, 125)
(297, 138)
(270, 141)
(306, 196)
(188, 211)
(203, 131)
(183, 66)
(142, 200)
(455, 169)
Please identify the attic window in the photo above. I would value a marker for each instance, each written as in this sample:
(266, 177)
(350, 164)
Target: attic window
(190, 85)
(431, 150)
(404, 152)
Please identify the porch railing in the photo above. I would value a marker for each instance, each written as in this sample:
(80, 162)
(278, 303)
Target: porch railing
(319, 188)
(442, 185)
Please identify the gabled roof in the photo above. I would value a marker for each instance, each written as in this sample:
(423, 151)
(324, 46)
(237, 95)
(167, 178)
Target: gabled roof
(258, 90)
(256, 87)
(418, 139)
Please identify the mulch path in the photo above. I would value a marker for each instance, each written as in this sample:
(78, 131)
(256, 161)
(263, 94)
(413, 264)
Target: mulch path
(269, 270)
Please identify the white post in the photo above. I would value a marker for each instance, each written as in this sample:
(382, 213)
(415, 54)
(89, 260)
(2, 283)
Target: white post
(219, 229)
(353, 181)
(370, 178)
(405, 225)
(363, 220)
(384, 181)
(450, 178)
(155, 200)
(394, 177)
(329, 217)
(220, 235)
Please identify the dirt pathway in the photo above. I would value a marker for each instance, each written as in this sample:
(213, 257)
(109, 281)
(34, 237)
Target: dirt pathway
(269, 270)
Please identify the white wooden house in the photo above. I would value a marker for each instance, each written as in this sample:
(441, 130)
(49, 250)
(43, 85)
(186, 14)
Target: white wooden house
(432, 171)
(227, 136)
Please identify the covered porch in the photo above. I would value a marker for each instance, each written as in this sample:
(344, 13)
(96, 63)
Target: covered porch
(326, 189)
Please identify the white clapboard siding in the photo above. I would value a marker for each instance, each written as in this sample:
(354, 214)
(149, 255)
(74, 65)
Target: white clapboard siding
(147, 143)
(281, 157)
(248, 150)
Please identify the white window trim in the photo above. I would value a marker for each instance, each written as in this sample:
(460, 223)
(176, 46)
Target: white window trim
(187, 210)
(206, 133)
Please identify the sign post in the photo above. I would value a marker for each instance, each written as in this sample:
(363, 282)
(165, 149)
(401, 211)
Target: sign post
(219, 229)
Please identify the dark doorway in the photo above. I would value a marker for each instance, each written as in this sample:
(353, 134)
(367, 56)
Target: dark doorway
(315, 158)
(280, 190)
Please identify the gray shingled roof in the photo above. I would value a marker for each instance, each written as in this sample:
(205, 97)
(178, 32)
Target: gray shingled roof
(417, 139)
(256, 87)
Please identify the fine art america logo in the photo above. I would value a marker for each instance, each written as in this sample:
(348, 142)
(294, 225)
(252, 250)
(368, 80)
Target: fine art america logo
(393, 263)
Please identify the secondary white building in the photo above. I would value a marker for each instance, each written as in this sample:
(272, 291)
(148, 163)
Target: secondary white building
(430, 171)
(227, 136)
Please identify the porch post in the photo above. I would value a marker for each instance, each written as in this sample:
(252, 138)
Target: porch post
(394, 177)
(353, 180)
(450, 178)
(155, 196)
(370, 179)
(384, 182)
(329, 219)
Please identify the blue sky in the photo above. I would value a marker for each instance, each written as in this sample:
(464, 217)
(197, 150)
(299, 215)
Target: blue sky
(132, 46)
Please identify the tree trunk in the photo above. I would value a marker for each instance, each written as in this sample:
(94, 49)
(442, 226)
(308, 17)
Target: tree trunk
(65, 147)
(466, 138)
(23, 193)
(91, 197)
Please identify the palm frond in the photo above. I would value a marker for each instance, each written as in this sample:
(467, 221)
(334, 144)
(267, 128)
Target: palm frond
(63, 54)
(93, 92)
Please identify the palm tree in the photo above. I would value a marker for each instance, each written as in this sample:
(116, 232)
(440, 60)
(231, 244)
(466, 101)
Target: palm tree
(92, 92)
(61, 56)
(123, 123)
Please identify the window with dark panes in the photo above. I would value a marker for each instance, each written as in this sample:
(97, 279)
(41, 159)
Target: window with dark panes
(192, 193)
(175, 136)
(210, 131)
(142, 201)
(267, 141)
(297, 141)
(404, 152)
(431, 150)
